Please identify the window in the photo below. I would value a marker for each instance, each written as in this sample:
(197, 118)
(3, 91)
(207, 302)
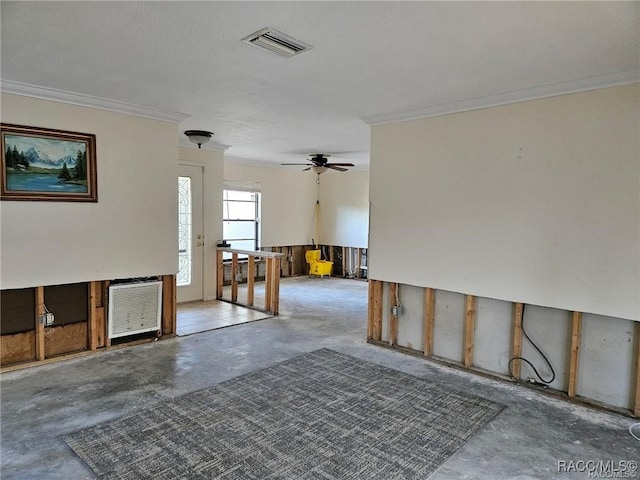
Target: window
(241, 219)
(184, 231)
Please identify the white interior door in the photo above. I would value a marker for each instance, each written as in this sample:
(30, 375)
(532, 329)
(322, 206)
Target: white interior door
(190, 238)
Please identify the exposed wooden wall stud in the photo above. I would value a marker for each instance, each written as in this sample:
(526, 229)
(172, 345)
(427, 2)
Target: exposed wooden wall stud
(427, 329)
(370, 310)
(275, 287)
(469, 330)
(92, 326)
(377, 309)
(268, 285)
(169, 305)
(516, 351)
(234, 280)
(39, 312)
(251, 279)
(636, 410)
(576, 330)
(393, 319)
(220, 274)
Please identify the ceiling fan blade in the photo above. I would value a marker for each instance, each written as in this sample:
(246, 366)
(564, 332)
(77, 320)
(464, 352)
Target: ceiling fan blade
(305, 169)
(294, 164)
(341, 164)
(332, 166)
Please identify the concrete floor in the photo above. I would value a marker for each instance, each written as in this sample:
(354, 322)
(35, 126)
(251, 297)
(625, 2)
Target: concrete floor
(527, 440)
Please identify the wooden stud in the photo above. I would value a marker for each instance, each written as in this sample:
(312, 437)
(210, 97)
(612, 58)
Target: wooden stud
(268, 285)
(39, 312)
(98, 294)
(251, 280)
(377, 309)
(220, 275)
(576, 330)
(105, 302)
(292, 269)
(469, 330)
(100, 322)
(92, 326)
(429, 310)
(169, 305)
(358, 269)
(97, 315)
(234, 280)
(393, 319)
(331, 253)
(344, 263)
(636, 410)
(516, 365)
(275, 288)
(370, 311)
(277, 250)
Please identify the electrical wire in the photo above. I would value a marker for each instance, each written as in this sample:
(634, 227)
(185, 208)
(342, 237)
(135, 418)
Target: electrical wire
(553, 373)
(631, 430)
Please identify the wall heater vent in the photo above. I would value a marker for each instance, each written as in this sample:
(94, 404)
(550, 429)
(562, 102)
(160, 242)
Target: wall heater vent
(134, 308)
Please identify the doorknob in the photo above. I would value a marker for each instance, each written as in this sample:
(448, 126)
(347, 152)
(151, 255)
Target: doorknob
(199, 244)
(199, 237)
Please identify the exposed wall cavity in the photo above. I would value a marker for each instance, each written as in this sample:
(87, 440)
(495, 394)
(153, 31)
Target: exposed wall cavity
(594, 358)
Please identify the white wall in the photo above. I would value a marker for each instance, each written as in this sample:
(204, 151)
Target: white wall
(344, 208)
(288, 202)
(535, 202)
(130, 232)
(213, 185)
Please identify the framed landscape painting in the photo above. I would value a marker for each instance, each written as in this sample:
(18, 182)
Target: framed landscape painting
(46, 164)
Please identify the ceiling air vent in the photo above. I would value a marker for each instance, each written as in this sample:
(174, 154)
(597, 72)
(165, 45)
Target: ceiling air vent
(276, 42)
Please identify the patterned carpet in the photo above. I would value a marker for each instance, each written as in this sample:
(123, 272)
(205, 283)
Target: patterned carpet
(322, 415)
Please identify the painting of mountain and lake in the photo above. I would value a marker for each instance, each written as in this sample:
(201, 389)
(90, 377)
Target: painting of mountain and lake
(46, 164)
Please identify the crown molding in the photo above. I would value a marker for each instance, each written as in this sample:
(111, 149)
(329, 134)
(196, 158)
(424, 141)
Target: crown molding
(550, 90)
(45, 93)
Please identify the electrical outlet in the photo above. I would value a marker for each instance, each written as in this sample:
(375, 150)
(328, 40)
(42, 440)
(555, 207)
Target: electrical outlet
(396, 310)
(48, 319)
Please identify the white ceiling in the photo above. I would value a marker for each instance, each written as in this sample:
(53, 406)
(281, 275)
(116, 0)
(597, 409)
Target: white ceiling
(399, 59)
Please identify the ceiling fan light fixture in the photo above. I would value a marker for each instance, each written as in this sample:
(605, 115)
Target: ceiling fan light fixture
(199, 137)
(319, 169)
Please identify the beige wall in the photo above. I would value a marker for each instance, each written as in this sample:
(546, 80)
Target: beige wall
(212, 163)
(344, 208)
(535, 202)
(288, 202)
(130, 232)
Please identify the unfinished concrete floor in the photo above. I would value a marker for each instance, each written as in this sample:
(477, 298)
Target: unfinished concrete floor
(526, 441)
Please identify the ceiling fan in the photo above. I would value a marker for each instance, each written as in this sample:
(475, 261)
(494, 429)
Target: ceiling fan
(319, 164)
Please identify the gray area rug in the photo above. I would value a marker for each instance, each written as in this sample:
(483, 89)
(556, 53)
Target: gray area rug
(322, 415)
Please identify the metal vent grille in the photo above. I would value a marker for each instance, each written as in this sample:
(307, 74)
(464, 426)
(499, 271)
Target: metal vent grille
(134, 308)
(276, 42)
